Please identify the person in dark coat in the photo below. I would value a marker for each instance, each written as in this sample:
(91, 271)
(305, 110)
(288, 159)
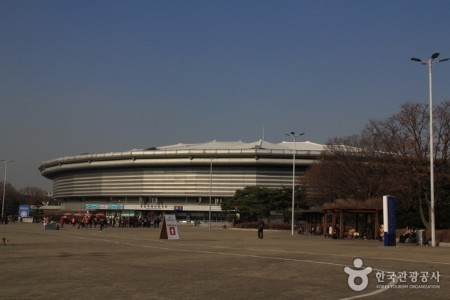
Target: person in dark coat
(102, 223)
(261, 225)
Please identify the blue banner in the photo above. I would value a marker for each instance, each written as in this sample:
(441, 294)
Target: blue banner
(24, 211)
(390, 220)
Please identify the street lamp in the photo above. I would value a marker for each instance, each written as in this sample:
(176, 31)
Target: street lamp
(4, 186)
(294, 135)
(210, 190)
(430, 64)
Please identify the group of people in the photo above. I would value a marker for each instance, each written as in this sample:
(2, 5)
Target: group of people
(313, 230)
(93, 221)
(333, 232)
(409, 233)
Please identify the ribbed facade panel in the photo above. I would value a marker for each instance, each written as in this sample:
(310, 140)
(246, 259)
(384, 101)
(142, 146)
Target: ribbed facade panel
(166, 182)
(178, 173)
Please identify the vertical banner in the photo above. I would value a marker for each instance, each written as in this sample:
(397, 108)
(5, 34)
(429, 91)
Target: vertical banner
(24, 211)
(169, 229)
(390, 220)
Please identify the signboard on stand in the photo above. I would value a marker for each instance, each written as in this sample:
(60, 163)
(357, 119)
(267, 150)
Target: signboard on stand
(169, 229)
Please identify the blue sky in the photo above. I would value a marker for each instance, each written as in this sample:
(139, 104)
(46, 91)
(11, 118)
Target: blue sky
(101, 76)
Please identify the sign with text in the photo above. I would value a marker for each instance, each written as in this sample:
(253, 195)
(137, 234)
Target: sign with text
(104, 206)
(169, 229)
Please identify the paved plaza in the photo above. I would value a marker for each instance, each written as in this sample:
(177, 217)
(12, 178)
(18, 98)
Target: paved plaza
(217, 263)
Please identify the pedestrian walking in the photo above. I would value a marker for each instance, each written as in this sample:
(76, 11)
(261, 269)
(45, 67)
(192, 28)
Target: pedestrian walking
(102, 223)
(261, 225)
(45, 222)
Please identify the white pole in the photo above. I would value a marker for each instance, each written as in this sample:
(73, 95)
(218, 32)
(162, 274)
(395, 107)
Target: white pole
(430, 66)
(293, 188)
(4, 188)
(293, 178)
(433, 225)
(210, 191)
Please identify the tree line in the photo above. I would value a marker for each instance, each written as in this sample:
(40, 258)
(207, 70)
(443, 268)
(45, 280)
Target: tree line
(388, 157)
(27, 195)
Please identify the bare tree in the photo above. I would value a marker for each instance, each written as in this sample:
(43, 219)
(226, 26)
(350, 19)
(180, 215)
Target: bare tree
(406, 135)
(349, 169)
(389, 157)
(33, 191)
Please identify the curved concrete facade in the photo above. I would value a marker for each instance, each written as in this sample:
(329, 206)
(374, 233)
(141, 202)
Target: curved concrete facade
(177, 175)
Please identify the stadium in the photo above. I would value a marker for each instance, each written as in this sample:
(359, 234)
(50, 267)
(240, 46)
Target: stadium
(190, 180)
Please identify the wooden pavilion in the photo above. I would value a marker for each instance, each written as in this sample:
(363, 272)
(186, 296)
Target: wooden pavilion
(336, 213)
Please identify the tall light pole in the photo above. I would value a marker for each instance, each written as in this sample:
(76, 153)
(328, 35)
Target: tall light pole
(430, 64)
(294, 135)
(210, 191)
(4, 186)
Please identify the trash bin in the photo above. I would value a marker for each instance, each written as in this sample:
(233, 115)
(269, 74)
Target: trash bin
(420, 236)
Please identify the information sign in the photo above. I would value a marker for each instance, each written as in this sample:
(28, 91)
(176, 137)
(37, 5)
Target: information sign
(169, 229)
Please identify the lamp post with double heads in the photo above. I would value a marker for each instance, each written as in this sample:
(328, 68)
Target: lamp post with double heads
(4, 186)
(294, 135)
(430, 64)
(210, 191)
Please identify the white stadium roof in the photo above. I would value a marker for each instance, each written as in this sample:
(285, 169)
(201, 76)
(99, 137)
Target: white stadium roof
(239, 145)
(181, 148)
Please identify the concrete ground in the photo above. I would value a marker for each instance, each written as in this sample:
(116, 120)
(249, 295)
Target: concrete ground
(133, 263)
